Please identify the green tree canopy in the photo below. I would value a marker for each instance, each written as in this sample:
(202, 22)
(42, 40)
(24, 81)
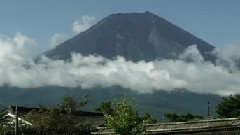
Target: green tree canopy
(57, 120)
(105, 108)
(125, 121)
(229, 107)
(174, 117)
(72, 105)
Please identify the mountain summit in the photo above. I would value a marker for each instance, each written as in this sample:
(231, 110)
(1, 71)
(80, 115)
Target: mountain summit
(135, 36)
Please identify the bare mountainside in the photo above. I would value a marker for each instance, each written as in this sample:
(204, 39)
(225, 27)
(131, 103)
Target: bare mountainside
(135, 36)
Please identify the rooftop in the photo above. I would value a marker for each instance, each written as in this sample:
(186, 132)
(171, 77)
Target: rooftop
(214, 126)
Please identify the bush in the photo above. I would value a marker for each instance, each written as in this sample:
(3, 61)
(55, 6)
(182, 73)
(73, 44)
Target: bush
(124, 121)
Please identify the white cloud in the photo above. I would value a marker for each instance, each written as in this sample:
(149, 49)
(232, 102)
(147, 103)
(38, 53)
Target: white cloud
(82, 25)
(57, 39)
(19, 46)
(77, 27)
(228, 56)
(191, 54)
(18, 69)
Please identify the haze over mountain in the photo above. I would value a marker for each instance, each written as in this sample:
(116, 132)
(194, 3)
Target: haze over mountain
(135, 36)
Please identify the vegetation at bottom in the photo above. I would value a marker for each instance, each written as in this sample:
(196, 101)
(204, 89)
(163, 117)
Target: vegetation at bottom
(229, 107)
(56, 120)
(119, 116)
(60, 119)
(5, 125)
(122, 118)
(174, 117)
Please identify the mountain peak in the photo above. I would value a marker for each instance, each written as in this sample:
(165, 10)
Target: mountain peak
(146, 15)
(135, 36)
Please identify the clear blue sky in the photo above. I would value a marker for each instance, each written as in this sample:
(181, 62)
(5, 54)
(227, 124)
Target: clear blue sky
(215, 21)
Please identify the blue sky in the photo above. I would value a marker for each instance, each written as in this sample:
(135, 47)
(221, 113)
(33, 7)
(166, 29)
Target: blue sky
(215, 21)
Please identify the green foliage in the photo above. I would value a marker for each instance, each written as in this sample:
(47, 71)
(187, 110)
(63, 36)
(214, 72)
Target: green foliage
(124, 121)
(105, 108)
(6, 128)
(58, 120)
(174, 117)
(2, 119)
(148, 119)
(229, 107)
(54, 121)
(70, 104)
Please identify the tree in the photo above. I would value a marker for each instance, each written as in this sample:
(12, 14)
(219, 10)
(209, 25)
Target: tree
(68, 104)
(125, 121)
(174, 117)
(148, 119)
(105, 108)
(72, 105)
(58, 120)
(229, 107)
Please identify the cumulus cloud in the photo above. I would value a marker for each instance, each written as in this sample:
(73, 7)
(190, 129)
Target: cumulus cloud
(18, 47)
(191, 54)
(17, 68)
(77, 27)
(83, 24)
(228, 56)
(57, 39)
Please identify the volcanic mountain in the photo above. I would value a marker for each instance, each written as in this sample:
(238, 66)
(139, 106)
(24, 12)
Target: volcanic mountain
(135, 36)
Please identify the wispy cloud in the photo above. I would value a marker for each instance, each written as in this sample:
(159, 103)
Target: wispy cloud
(83, 24)
(78, 26)
(228, 56)
(57, 39)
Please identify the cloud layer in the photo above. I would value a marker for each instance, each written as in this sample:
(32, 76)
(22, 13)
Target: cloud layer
(18, 69)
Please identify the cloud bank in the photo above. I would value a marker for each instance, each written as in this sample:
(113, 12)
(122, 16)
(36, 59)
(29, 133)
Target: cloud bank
(18, 69)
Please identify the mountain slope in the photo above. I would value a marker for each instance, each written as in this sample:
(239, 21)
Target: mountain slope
(156, 104)
(135, 36)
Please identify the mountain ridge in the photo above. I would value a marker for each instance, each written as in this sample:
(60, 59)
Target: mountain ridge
(135, 36)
